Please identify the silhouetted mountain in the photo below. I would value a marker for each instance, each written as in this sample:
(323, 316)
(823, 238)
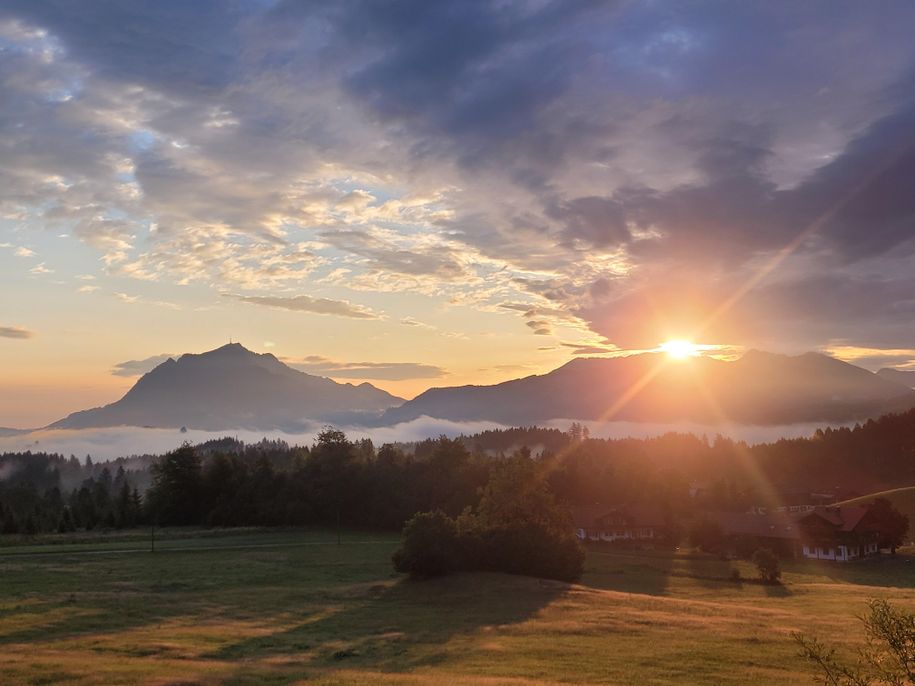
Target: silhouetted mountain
(5, 432)
(899, 376)
(759, 388)
(230, 388)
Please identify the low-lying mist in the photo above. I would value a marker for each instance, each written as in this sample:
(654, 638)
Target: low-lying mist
(110, 443)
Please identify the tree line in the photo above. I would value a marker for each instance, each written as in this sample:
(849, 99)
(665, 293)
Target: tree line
(337, 481)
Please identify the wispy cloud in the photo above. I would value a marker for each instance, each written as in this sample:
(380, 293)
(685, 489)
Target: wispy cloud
(15, 332)
(306, 303)
(139, 367)
(136, 299)
(24, 252)
(387, 371)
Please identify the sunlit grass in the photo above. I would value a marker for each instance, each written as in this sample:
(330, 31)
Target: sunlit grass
(337, 614)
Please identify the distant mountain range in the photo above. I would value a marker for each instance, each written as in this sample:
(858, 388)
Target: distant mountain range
(899, 376)
(759, 388)
(231, 388)
(234, 388)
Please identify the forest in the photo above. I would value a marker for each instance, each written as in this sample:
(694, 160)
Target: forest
(342, 482)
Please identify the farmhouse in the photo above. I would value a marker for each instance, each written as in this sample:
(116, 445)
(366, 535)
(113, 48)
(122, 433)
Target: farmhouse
(627, 523)
(819, 533)
(838, 533)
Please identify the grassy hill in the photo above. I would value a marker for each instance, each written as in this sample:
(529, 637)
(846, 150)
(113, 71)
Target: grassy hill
(903, 499)
(281, 607)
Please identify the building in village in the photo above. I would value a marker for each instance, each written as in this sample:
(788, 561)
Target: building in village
(833, 533)
(626, 523)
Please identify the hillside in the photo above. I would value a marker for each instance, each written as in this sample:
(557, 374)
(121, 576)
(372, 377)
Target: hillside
(903, 499)
(759, 388)
(899, 376)
(230, 388)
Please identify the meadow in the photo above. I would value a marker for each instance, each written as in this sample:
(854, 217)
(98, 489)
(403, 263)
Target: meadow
(282, 607)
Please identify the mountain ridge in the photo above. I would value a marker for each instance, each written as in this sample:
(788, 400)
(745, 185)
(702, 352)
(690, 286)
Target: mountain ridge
(906, 378)
(758, 388)
(230, 387)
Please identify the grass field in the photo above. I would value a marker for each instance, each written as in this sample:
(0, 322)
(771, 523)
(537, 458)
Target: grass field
(903, 499)
(213, 609)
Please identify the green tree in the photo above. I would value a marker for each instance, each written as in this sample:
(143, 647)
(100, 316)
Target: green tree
(174, 497)
(891, 524)
(429, 547)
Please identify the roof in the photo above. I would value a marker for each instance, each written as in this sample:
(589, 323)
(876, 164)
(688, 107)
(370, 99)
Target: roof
(790, 525)
(775, 525)
(634, 515)
(845, 518)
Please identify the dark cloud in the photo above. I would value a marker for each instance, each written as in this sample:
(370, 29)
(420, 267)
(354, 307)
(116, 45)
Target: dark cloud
(139, 367)
(385, 256)
(387, 371)
(306, 303)
(173, 45)
(15, 332)
(632, 164)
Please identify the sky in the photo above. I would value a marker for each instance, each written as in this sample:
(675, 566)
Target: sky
(421, 194)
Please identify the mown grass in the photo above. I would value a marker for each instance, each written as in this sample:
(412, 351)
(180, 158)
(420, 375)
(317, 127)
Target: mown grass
(302, 608)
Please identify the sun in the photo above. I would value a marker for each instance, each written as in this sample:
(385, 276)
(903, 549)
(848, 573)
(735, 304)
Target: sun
(679, 349)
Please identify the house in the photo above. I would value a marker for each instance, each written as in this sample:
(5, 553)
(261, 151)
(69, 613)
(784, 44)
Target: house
(838, 533)
(627, 523)
(833, 533)
(747, 531)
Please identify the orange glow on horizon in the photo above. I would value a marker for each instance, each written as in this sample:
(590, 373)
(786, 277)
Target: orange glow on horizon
(680, 349)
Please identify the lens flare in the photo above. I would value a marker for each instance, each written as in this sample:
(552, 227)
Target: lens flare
(679, 349)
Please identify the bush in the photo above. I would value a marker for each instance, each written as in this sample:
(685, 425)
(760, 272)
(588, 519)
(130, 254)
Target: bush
(887, 657)
(767, 564)
(522, 548)
(430, 546)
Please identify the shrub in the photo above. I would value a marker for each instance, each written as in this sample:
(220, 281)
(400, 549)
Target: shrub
(430, 546)
(517, 528)
(887, 657)
(767, 564)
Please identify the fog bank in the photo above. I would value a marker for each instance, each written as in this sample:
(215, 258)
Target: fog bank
(109, 443)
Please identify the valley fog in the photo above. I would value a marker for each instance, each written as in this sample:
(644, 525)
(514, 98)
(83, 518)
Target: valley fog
(110, 443)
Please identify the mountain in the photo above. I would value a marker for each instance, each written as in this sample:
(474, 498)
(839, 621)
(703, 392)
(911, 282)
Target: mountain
(758, 388)
(6, 433)
(230, 388)
(899, 376)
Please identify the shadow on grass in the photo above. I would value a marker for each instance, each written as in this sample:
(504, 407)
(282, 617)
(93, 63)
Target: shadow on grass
(405, 625)
(884, 570)
(628, 571)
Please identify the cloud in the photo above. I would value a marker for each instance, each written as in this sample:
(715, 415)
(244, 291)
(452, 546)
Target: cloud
(23, 252)
(610, 165)
(40, 269)
(139, 367)
(388, 371)
(306, 303)
(15, 332)
(136, 299)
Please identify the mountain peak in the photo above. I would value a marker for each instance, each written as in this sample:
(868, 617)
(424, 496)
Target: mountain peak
(231, 387)
(230, 349)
